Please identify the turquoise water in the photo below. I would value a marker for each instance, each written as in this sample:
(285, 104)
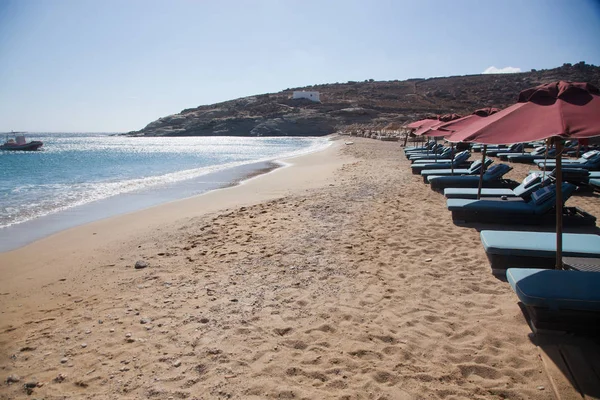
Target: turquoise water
(75, 170)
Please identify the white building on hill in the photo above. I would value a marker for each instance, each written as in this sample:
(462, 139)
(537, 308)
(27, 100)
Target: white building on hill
(314, 96)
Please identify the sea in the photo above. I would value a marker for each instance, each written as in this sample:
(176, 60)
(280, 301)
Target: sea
(82, 177)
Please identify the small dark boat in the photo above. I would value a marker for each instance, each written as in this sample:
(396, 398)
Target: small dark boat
(20, 144)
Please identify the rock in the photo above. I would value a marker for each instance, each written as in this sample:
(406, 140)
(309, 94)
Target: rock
(60, 378)
(141, 264)
(64, 360)
(177, 363)
(12, 379)
(31, 385)
(83, 345)
(541, 388)
(144, 321)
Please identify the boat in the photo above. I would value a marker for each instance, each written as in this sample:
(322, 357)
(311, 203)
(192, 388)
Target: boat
(19, 143)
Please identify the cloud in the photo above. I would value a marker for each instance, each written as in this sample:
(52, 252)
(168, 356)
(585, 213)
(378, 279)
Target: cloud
(505, 70)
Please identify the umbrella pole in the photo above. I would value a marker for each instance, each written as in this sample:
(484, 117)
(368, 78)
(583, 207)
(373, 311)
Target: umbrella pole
(452, 162)
(481, 172)
(406, 139)
(559, 203)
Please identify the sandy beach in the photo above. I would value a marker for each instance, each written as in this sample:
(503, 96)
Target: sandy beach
(341, 276)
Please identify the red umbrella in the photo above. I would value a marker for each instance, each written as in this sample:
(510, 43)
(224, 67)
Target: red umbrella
(419, 123)
(461, 123)
(426, 128)
(556, 110)
(561, 109)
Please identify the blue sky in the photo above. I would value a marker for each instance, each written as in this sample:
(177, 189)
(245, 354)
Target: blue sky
(116, 65)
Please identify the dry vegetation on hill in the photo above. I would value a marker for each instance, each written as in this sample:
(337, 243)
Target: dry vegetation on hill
(364, 103)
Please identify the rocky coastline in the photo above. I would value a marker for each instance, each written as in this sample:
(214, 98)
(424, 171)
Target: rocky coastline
(359, 106)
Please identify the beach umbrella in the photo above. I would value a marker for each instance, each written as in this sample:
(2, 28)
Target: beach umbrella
(419, 123)
(428, 128)
(452, 126)
(455, 125)
(559, 110)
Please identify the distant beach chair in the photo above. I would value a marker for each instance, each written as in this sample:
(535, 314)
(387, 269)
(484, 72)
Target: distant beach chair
(558, 300)
(492, 178)
(519, 249)
(590, 160)
(530, 184)
(459, 160)
(427, 145)
(430, 174)
(477, 148)
(539, 153)
(513, 148)
(445, 154)
(538, 210)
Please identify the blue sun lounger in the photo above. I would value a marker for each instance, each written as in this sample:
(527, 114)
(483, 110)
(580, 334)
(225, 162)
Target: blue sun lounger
(520, 249)
(446, 154)
(538, 210)
(538, 153)
(459, 159)
(513, 148)
(428, 145)
(431, 149)
(590, 160)
(492, 178)
(595, 184)
(478, 148)
(558, 300)
(529, 185)
(429, 174)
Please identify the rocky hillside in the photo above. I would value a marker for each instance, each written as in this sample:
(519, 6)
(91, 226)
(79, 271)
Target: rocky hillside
(363, 103)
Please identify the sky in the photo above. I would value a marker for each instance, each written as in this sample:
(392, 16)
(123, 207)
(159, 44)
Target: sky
(117, 65)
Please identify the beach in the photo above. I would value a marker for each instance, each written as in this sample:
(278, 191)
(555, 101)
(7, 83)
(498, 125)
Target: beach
(340, 276)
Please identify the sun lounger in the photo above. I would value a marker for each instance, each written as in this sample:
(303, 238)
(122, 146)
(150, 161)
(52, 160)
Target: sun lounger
(528, 158)
(595, 184)
(517, 249)
(590, 160)
(594, 175)
(558, 300)
(427, 145)
(430, 174)
(435, 148)
(538, 210)
(577, 176)
(537, 151)
(530, 184)
(459, 160)
(513, 148)
(478, 148)
(492, 178)
(446, 153)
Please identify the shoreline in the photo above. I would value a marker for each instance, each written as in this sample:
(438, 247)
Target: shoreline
(27, 232)
(255, 187)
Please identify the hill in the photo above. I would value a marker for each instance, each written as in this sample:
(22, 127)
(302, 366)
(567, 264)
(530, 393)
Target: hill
(364, 103)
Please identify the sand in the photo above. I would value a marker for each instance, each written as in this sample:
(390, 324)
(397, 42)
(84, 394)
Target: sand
(339, 277)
